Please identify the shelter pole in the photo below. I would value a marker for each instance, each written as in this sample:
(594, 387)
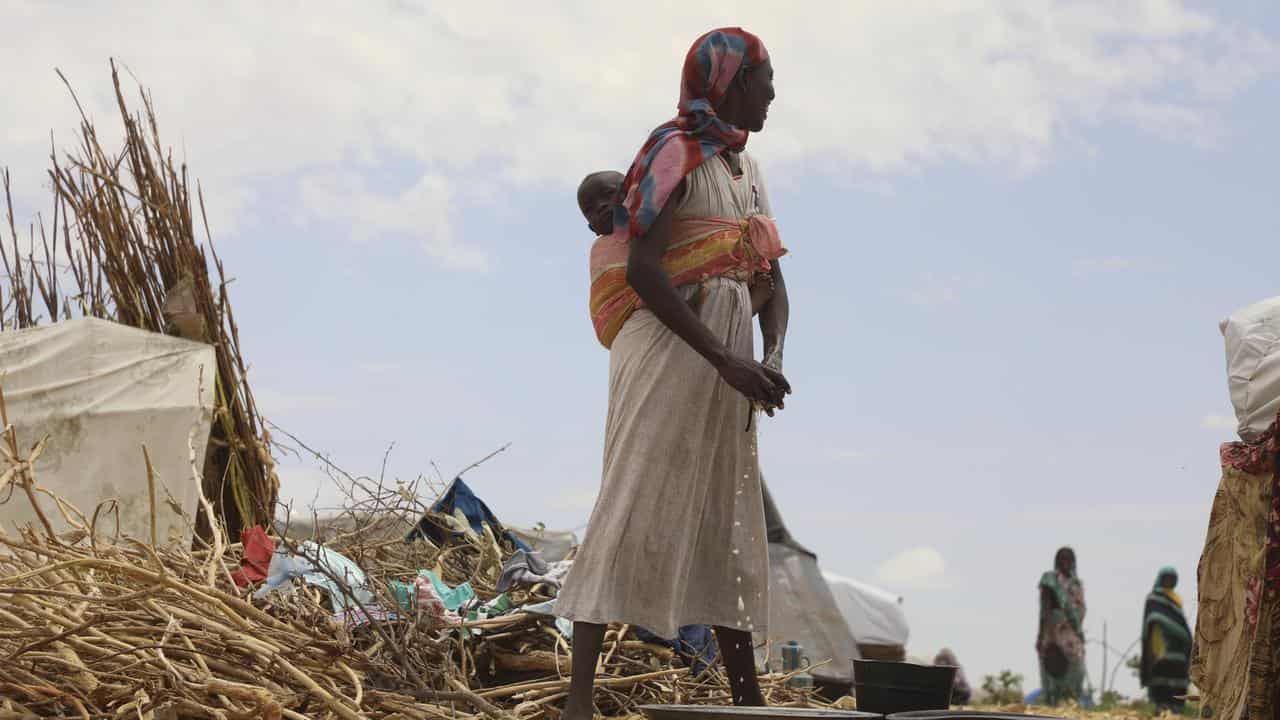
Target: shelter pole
(1104, 660)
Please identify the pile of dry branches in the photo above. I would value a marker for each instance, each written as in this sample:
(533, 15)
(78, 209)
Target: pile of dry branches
(122, 246)
(93, 625)
(95, 628)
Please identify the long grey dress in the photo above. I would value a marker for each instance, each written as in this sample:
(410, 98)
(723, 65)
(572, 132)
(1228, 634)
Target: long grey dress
(677, 536)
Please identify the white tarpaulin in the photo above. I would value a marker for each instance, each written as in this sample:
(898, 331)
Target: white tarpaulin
(875, 616)
(100, 391)
(1252, 337)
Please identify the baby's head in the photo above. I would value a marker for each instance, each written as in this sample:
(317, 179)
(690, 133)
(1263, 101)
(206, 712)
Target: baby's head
(597, 195)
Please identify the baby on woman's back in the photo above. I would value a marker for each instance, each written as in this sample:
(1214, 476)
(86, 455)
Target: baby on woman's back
(597, 195)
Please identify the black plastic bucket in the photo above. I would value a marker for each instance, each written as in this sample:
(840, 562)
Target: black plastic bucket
(897, 687)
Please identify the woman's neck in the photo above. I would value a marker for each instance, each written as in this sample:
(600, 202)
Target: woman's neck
(734, 160)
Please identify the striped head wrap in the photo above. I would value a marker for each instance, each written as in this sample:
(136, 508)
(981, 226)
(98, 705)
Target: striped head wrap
(677, 147)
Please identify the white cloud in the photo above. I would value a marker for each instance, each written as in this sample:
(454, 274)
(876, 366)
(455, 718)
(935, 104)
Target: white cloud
(1218, 422)
(919, 568)
(421, 211)
(463, 101)
(1175, 122)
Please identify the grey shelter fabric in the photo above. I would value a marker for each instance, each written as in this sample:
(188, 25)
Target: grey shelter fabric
(802, 607)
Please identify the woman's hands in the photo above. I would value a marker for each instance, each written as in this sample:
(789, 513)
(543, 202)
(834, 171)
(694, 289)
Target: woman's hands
(760, 384)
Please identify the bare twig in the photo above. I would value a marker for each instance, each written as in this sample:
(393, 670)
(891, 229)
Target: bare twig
(481, 461)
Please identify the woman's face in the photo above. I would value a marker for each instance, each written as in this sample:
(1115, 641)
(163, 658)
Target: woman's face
(1066, 562)
(757, 94)
(596, 199)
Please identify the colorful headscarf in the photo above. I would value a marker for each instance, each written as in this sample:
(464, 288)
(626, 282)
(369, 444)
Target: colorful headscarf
(696, 134)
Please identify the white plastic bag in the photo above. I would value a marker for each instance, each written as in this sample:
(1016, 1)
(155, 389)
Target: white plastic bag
(1252, 338)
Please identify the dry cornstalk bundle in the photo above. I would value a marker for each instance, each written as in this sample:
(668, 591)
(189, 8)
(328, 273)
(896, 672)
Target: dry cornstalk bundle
(123, 246)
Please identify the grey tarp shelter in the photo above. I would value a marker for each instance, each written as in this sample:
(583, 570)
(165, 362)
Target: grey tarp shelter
(802, 608)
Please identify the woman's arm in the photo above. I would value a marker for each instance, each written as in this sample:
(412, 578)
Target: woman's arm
(776, 312)
(647, 277)
(1047, 605)
(773, 320)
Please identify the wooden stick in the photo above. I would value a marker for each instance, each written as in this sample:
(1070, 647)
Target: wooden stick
(22, 468)
(151, 491)
(510, 690)
(617, 640)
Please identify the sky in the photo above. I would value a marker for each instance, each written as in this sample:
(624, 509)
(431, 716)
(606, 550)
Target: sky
(1014, 227)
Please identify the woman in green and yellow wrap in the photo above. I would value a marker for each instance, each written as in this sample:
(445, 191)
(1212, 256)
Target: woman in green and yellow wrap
(1166, 644)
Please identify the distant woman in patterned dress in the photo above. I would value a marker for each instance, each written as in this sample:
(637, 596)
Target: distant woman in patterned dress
(1060, 642)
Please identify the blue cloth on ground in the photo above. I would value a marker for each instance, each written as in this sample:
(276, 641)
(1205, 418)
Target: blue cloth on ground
(695, 643)
(460, 498)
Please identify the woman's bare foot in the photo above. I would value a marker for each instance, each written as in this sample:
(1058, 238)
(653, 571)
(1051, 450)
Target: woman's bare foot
(573, 711)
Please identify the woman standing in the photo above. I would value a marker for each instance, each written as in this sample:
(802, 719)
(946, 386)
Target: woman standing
(1060, 643)
(1166, 644)
(677, 536)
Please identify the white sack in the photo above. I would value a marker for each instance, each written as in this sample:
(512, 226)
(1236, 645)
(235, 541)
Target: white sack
(101, 390)
(1252, 337)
